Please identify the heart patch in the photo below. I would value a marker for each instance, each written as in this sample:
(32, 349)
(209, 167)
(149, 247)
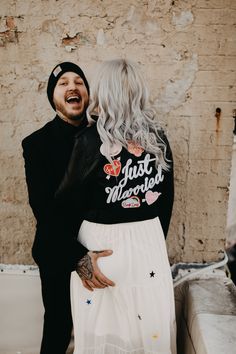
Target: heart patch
(135, 149)
(113, 169)
(151, 197)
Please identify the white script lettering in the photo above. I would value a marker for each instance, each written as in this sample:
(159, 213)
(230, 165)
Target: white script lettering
(129, 172)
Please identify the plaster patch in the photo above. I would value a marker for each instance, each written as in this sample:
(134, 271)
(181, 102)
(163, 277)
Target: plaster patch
(101, 39)
(142, 22)
(70, 48)
(182, 20)
(130, 14)
(3, 26)
(175, 91)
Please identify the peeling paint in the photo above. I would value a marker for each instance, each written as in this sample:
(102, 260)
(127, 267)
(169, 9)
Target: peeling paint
(8, 32)
(68, 41)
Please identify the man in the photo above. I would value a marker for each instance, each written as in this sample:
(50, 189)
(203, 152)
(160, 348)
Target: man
(55, 249)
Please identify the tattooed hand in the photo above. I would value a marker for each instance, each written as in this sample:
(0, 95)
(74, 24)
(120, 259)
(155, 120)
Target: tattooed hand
(89, 272)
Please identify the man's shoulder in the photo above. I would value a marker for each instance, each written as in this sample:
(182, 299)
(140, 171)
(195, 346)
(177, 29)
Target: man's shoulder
(90, 130)
(38, 136)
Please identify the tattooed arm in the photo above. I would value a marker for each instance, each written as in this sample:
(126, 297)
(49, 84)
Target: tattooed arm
(89, 272)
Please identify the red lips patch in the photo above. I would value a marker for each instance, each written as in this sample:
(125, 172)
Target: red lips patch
(113, 169)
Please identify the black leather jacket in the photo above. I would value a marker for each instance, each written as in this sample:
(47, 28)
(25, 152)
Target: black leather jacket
(135, 190)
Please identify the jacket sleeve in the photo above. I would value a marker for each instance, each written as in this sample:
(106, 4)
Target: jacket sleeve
(81, 169)
(165, 211)
(57, 244)
(39, 183)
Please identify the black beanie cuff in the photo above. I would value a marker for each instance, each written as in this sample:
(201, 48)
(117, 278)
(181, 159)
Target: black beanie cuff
(57, 72)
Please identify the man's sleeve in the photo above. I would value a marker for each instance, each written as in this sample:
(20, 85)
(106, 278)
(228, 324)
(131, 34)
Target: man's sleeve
(39, 184)
(58, 243)
(84, 161)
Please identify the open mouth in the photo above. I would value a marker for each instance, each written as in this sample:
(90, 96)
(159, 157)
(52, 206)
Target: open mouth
(73, 99)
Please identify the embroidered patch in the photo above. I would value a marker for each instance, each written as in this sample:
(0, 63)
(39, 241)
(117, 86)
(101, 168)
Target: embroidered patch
(89, 302)
(57, 71)
(113, 151)
(152, 274)
(113, 169)
(151, 197)
(132, 202)
(135, 149)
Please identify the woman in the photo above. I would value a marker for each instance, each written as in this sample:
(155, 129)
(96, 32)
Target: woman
(120, 182)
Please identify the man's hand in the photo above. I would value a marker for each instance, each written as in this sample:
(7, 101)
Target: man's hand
(89, 272)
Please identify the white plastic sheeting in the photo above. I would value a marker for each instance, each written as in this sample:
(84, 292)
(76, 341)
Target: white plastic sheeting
(21, 310)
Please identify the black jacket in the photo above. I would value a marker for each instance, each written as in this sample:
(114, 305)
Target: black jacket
(46, 153)
(137, 191)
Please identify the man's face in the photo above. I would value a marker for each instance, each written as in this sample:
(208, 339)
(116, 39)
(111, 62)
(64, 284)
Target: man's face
(70, 96)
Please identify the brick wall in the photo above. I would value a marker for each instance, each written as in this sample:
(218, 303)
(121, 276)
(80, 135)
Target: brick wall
(187, 50)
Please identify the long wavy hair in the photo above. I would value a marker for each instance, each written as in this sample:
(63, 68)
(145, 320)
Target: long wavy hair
(121, 98)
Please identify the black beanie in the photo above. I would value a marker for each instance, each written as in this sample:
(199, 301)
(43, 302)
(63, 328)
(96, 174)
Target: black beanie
(57, 72)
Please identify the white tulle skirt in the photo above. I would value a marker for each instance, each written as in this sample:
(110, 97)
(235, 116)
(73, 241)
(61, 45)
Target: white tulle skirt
(137, 315)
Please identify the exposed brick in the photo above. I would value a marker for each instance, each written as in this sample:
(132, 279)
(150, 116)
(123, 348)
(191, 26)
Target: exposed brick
(187, 50)
(214, 16)
(213, 4)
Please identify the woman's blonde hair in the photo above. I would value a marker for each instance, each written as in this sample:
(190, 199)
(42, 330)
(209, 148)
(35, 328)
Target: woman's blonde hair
(120, 96)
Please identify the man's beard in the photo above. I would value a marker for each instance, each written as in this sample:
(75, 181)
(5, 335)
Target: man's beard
(61, 109)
